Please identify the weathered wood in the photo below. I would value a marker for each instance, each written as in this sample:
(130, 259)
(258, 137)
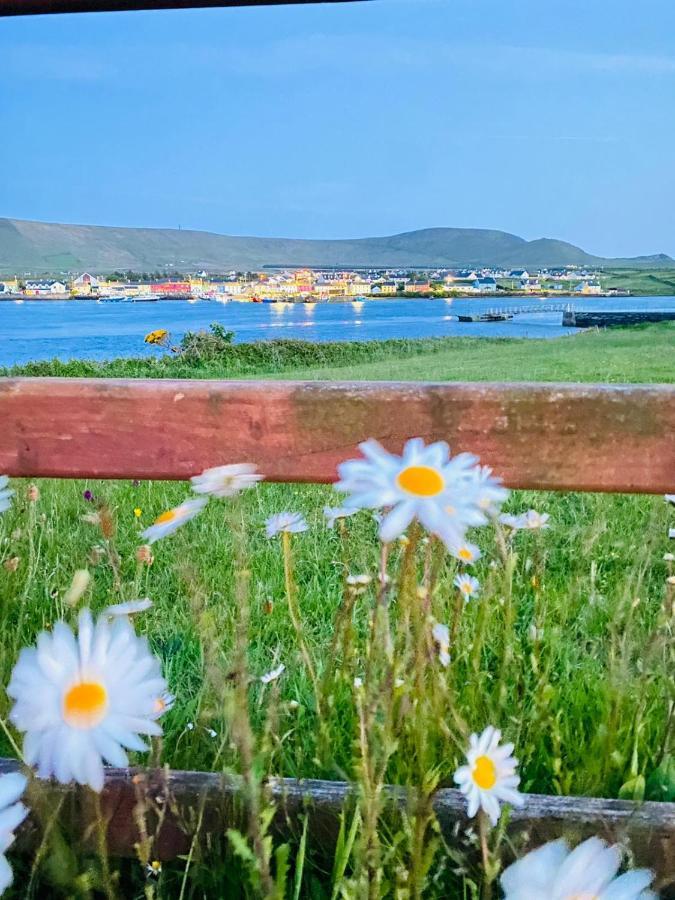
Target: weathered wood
(40, 7)
(546, 436)
(197, 807)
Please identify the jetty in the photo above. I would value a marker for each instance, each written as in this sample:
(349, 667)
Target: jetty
(584, 319)
(508, 312)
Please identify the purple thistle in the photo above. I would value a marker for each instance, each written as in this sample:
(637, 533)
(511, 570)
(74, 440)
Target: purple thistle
(88, 496)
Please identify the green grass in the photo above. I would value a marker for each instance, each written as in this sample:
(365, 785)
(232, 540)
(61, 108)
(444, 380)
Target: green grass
(584, 698)
(645, 353)
(640, 281)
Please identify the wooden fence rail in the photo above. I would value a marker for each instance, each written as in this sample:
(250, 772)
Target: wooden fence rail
(198, 807)
(542, 436)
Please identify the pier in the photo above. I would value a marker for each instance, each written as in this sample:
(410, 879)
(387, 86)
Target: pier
(582, 319)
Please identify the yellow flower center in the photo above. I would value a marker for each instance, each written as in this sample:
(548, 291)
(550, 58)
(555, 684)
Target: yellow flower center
(465, 587)
(85, 704)
(423, 481)
(465, 553)
(485, 773)
(165, 517)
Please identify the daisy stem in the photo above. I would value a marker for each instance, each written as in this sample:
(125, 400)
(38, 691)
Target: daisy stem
(291, 597)
(456, 618)
(14, 745)
(486, 893)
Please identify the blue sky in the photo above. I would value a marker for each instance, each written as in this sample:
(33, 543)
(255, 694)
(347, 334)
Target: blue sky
(541, 117)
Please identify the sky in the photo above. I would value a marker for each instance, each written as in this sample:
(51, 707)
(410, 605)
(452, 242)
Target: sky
(545, 118)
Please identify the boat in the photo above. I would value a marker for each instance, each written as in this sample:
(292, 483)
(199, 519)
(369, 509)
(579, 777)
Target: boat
(116, 298)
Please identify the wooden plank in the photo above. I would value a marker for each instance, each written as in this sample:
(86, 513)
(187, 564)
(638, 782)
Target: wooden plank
(546, 436)
(202, 805)
(40, 7)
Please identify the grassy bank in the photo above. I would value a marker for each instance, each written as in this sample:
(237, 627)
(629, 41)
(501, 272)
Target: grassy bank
(618, 355)
(568, 649)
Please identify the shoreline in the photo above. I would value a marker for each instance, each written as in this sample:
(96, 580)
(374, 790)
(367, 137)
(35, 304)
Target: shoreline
(539, 295)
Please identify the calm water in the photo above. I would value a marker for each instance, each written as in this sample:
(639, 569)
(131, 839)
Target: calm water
(90, 330)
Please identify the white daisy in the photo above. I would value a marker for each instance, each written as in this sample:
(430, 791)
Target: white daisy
(467, 585)
(82, 699)
(535, 521)
(441, 636)
(5, 494)
(273, 675)
(586, 873)
(424, 483)
(490, 494)
(226, 481)
(515, 523)
(172, 519)
(333, 513)
(12, 814)
(669, 498)
(292, 523)
(162, 704)
(130, 608)
(465, 552)
(489, 776)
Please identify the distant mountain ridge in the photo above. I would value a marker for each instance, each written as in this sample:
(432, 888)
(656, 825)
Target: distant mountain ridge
(37, 247)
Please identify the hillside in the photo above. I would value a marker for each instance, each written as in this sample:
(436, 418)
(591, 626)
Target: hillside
(34, 247)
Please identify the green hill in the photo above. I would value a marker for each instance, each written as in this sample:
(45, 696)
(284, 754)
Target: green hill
(41, 247)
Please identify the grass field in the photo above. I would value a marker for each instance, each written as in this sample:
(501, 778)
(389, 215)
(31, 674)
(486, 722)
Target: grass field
(568, 649)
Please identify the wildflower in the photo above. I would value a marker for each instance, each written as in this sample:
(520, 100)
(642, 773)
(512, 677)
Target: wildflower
(78, 586)
(159, 337)
(5, 494)
(536, 521)
(489, 776)
(669, 498)
(291, 523)
(211, 733)
(358, 583)
(83, 699)
(333, 513)
(33, 493)
(515, 523)
(489, 492)
(226, 481)
(12, 814)
(466, 552)
(669, 557)
(92, 518)
(162, 704)
(467, 585)
(144, 555)
(441, 636)
(671, 533)
(88, 496)
(130, 608)
(358, 682)
(11, 564)
(138, 512)
(425, 483)
(154, 869)
(273, 674)
(172, 519)
(587, 873)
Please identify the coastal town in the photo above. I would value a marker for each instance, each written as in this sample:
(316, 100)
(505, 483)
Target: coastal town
(305, 285)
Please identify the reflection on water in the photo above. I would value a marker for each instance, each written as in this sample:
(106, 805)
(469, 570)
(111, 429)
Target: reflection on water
(90, 330)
